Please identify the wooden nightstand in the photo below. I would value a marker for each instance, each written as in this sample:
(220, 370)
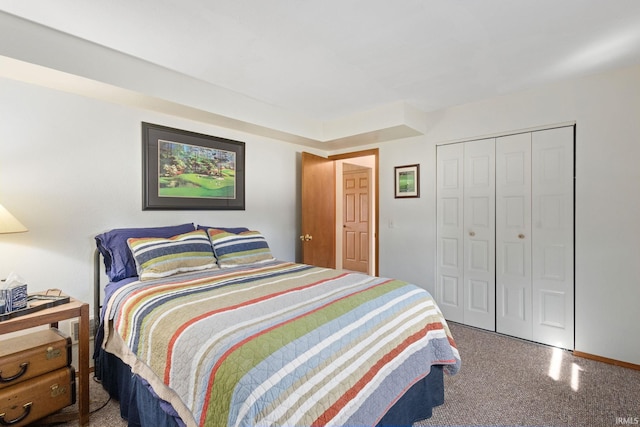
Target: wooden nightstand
(51, 316)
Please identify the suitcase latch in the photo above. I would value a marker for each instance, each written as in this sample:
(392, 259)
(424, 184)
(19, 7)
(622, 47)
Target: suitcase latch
(52, 353)
(56, 390)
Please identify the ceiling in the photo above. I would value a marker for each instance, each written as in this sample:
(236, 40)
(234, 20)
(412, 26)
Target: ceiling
(328, 59)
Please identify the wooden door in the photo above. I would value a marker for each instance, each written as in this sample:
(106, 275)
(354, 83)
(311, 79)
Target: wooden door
(355, 220)
(552, 251)
(479, 234)
(318, 211)
(449, 231)
(513, 235)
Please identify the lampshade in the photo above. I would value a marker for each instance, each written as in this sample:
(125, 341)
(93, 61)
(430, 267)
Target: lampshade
(9, 223)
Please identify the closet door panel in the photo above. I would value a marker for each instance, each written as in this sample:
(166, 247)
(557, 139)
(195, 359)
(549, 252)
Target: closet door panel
(479, 233)
(513, 235)
(450, 255)
(552, 216)
(513, 301)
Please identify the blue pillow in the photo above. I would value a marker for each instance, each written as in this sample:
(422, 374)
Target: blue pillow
(118, 259)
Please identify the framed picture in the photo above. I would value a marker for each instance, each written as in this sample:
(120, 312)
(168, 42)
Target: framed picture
(187, 170)
(407, 181)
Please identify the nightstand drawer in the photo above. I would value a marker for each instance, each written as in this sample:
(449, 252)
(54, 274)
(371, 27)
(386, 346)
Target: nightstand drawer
(30, 355)
(38, 397)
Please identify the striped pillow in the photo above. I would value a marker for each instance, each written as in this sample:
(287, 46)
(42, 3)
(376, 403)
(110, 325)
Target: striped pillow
(159, 257)
(248, 247)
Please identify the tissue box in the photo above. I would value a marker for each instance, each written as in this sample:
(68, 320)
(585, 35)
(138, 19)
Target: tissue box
(15, 297)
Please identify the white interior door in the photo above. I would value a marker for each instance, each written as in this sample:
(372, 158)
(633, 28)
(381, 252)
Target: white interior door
(449, 229)
(505, 235)
(552, 251)
(513, 235)
(479, 234)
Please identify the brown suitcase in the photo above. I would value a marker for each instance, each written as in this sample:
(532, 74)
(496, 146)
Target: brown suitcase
(33, 354)
(38, 397)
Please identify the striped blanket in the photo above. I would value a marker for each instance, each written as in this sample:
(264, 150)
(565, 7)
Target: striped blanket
(278, 344)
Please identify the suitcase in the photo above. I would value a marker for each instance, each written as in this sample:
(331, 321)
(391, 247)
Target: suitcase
(37, 397)
(30, 355)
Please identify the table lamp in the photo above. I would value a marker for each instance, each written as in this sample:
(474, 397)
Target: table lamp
(9, 223)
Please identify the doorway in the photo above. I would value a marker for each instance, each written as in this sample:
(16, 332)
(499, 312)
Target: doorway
(355, 215)
(361, 254)
(322, 229)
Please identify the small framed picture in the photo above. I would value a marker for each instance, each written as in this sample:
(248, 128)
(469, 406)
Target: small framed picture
(407, 181)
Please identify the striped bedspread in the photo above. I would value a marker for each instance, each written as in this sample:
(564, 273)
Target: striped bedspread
(279, 344)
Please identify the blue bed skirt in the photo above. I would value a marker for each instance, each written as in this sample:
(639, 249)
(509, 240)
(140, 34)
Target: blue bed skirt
(141, 407)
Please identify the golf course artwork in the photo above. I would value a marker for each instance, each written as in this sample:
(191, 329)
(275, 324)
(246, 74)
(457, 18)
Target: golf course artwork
(192, 171)
(407, 181)
(188, 170)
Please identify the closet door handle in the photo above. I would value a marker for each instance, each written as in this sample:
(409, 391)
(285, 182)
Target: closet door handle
(472, 233)
(520, 236)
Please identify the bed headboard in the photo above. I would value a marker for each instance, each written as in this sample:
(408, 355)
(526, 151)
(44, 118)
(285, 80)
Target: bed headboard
(97, 291)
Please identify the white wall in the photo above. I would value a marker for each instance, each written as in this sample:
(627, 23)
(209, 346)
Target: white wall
(606, 110)
(70, 168)
(407, 226)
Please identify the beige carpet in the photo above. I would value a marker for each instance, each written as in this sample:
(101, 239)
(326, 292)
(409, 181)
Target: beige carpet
(505, 382)
(509, 382)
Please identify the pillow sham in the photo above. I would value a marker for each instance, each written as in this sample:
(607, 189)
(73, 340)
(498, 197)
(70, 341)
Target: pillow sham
(118, 259)
(234, 230)
(159, 257)
(247, 247)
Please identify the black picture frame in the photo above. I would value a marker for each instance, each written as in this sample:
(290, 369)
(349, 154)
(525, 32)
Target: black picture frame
(407, 181)
(185, 170)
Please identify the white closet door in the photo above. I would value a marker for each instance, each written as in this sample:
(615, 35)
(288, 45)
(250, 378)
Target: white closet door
(552, 217)
(479, 234)
(449, 202)
(513, 235)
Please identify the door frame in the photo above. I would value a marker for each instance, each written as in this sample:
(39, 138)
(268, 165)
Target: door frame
(375, 152)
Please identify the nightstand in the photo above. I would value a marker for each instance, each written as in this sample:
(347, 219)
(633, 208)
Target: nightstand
(51, 316)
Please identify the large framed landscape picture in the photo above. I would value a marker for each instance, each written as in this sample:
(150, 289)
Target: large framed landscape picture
(189, 170)
(407, 181)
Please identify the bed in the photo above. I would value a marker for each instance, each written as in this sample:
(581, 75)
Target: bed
(202, 326)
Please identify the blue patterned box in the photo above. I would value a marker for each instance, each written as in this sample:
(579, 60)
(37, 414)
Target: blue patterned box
(15, 298)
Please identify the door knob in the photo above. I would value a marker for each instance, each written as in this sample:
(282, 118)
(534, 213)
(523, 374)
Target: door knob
(306, 238)
(472, 233)
(520, 236)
